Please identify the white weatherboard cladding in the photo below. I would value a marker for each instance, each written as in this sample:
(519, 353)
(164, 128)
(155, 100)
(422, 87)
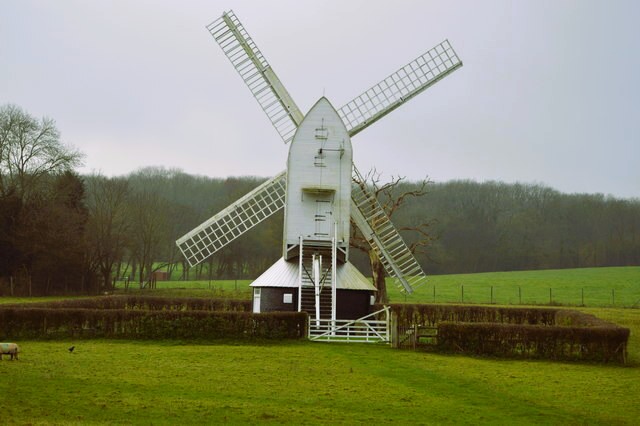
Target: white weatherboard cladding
(319, 178)
(285, 274)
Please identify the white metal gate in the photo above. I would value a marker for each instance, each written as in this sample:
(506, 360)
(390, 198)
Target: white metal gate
(367, 329)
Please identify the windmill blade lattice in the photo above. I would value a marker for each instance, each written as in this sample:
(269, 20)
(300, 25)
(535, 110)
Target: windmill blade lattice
(256, 72)
(384, 238)
(234, 221)
(399, 87)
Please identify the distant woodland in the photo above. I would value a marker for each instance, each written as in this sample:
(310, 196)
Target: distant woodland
(475, 227)
(61, 232)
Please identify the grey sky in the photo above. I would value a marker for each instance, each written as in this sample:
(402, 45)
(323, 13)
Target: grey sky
(549, 91)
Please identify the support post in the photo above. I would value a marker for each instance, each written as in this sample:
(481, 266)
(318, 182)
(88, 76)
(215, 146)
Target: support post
(300, 276)
(334, 277)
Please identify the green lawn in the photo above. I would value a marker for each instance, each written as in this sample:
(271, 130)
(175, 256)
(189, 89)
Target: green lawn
(615, 286)
(162, 382)
(171, 382)
(601, 287)
(5, 300)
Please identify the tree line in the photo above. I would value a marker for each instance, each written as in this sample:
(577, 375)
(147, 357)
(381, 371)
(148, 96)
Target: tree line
(61, 232)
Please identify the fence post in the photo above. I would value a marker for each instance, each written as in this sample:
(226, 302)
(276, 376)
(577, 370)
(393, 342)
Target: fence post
(462, 292)
(434, 293)
(582, 296)
(550, 296)
(519, 295)
(491, 294)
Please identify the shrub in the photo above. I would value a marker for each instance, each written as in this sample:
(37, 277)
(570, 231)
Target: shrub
(520, 332)
(50, 323)
(147, 317)
(148, 303)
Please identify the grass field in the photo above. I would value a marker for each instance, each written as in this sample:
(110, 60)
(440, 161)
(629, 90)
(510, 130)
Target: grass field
(309, 383)
(603, 287)
(614, 286)
(162, 382)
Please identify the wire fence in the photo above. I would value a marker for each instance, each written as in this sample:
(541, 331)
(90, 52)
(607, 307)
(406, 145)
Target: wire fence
(503, 294)
(526, 295)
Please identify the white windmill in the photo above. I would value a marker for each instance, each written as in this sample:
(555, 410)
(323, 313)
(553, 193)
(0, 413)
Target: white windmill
(321, 190)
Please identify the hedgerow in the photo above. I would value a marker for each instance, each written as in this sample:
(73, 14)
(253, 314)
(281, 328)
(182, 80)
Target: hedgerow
(144, 317)
(557, 334)
(150, 303)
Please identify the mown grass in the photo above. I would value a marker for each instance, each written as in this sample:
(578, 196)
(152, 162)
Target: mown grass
(5, 300)
(610, 287)
(236, 289)
(304, 383)
(601, 287)
(162, 382)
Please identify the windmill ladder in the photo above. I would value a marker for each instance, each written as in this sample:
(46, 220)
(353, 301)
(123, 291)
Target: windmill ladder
(317, 298)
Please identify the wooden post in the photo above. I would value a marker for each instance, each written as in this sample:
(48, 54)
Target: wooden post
(519, 295)
(394, 330)
(550, 296)
(462, 293)
(434, 293)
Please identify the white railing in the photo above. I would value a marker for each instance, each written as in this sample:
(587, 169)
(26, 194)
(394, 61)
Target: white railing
(367, 329)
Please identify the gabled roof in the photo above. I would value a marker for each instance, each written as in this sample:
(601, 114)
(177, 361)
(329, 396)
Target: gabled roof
(285, 274)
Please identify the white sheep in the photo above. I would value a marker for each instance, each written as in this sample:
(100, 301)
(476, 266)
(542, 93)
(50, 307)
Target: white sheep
(9, 349)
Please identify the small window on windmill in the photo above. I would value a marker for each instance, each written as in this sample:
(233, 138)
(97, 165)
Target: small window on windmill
(287, 298)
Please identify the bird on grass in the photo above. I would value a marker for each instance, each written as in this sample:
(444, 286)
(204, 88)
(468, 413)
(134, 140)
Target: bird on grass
(71, 349)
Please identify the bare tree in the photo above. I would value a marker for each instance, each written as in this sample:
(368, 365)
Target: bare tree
(109, 224)
(149, 232)
(29, 150)
(392, 196)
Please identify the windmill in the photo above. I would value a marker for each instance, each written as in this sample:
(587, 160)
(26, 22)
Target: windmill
(321, 190)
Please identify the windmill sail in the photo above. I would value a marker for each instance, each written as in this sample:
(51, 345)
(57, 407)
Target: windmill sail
(356, 115)
(399, 87)
(386, 241)
(234, 221)
(256, 72)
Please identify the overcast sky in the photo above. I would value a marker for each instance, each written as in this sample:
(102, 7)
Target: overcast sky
(549, 92)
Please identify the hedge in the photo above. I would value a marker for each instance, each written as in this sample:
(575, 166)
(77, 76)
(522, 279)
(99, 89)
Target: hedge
(432, 314)
(601, 343)
(147, 303)
(39, 323)
(557, 334)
